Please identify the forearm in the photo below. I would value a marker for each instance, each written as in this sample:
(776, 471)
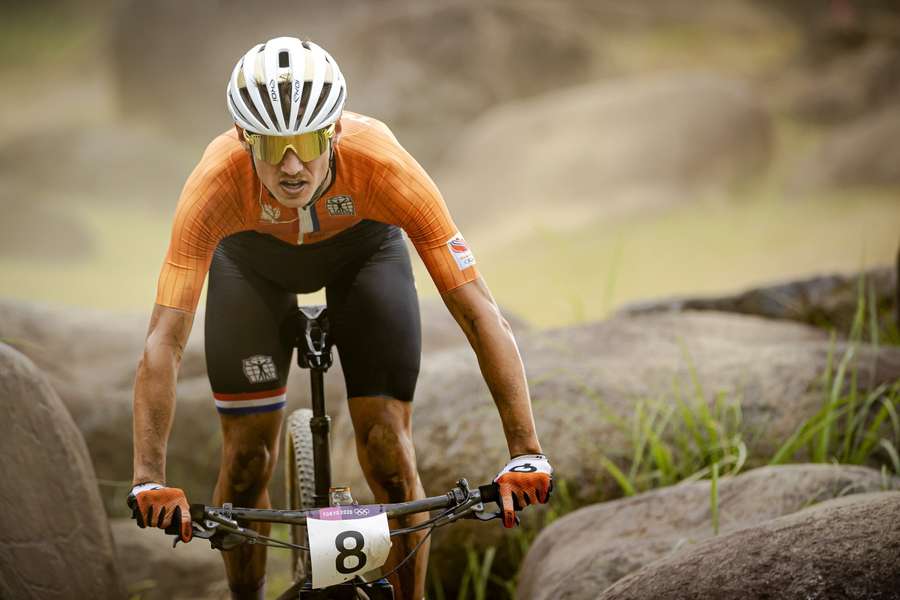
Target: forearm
(501, 365)
(154, 395)
(503, 371)
(154, 407)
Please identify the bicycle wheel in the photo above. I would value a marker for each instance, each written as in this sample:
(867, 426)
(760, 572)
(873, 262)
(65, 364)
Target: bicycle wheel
(300, 480)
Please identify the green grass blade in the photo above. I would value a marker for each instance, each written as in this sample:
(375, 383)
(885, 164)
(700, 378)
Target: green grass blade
(714, 498)
(892, 454)
(624, 482)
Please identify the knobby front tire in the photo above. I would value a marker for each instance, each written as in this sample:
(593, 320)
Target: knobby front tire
(300, 480)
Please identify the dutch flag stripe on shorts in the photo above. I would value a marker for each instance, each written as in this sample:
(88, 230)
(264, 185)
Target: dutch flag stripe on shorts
(252, 402)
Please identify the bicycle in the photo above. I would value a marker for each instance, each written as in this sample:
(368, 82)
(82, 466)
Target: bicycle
(330, 529)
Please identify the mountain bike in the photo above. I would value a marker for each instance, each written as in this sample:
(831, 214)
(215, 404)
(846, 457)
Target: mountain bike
(333, 546)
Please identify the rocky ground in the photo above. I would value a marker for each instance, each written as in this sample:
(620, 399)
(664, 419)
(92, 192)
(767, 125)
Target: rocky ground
(590, 549)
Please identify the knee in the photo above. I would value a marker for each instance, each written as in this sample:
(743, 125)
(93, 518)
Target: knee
(390, 460)
(247, 468)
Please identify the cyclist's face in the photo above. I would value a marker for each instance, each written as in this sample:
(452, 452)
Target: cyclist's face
(293, 181)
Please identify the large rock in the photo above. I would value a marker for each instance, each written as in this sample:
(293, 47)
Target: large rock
(610, 146)
(588, 550)
(845, 548)
(584, 379)
(829, 301)
(470, 44)
(153, 570)
(55, 541)
(863, 153)
(849, 86)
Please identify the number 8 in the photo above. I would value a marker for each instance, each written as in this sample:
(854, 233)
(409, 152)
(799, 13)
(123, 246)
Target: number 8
(344, 552)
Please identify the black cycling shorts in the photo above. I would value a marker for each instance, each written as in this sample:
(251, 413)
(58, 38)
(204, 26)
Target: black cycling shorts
(373, 312)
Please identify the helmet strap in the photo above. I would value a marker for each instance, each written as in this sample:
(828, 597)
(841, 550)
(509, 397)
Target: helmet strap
(330, 176)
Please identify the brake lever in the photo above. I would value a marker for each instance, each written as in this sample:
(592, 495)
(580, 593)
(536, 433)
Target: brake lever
(483, 515)
(222, 531)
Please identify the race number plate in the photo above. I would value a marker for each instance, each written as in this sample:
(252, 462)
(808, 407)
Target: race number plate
(344, 543)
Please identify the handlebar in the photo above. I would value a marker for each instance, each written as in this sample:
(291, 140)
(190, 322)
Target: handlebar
(215, 523)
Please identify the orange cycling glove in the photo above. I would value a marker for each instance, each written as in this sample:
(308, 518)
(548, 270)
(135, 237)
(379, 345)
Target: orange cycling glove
(158, 506)
(525, 479)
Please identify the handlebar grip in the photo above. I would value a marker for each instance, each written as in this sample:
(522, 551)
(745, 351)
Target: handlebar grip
(198, 512)
(174, 528)
(490, 493)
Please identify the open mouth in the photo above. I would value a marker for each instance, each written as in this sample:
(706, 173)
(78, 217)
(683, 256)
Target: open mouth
(292, 187)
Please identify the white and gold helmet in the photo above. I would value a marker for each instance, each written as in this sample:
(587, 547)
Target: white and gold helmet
(286, 87)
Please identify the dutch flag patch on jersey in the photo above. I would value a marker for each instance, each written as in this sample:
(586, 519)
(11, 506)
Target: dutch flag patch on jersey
(460, 251)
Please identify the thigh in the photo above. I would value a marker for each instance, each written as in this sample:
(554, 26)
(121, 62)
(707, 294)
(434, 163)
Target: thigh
(374, 313)
(247, 357)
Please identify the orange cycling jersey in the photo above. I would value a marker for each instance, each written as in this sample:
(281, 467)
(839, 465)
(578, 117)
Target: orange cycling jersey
(375, 179)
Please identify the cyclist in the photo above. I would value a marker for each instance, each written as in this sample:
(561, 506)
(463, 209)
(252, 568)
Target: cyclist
(298, 196)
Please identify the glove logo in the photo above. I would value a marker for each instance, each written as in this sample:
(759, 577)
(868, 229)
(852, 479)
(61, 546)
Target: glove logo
(524, 468)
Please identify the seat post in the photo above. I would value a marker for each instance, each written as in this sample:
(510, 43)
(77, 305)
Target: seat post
(314, 353)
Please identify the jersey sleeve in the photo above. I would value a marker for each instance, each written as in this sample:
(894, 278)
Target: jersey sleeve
(208, 210)
(412, 201)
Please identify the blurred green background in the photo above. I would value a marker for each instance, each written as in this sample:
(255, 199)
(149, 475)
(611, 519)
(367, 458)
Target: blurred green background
(594, 153)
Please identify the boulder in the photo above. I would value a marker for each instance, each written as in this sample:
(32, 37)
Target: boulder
(862, 153)
(56, 542)
(584, 379)
(588, 550)
(90, 358)
(153, 570)
(102, 161)
(618, 145)
(849, 86)
(844, 548)
(389, 53)
(825, 301)
(35, 231)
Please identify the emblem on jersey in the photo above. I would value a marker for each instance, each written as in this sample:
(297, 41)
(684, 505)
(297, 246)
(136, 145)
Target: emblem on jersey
(269, 213)
(340, 206)
(260, 368)
(460, 251)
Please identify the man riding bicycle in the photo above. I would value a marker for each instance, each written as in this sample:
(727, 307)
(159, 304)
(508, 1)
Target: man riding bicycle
(298, 196)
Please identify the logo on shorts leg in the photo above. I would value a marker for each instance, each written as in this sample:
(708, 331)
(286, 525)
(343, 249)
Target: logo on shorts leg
(260, 369)
(340, 206)
(461, 252)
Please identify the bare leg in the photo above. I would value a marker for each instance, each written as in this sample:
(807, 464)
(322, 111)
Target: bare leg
(249, 454)
(383, 429)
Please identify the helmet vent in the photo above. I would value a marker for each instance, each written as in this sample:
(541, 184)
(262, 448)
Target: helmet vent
(283, 59)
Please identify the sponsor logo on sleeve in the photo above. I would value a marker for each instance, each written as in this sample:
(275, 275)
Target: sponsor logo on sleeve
(460, 251)
(340, 206)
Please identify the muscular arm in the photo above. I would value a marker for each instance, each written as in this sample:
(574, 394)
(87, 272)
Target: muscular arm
(473, 307)
(154, 390)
